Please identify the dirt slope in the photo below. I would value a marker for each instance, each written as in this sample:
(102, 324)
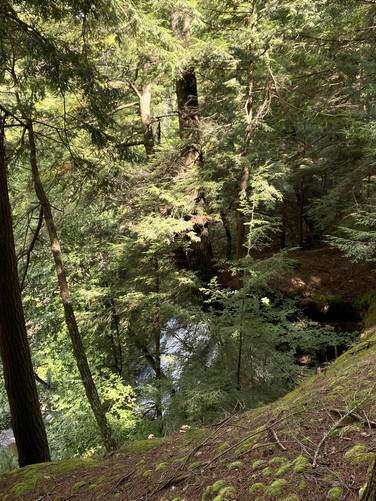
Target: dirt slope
(316, 443)
(327, 272)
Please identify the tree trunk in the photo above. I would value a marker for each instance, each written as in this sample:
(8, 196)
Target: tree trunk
(240, 220)
(370, 492)
(186, 84)
(70, 319)
(227, 228)
(27, 422)
(146, 119)
(157, 340)
(200, 255)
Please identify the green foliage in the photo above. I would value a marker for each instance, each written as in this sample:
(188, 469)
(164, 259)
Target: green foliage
(177, 312)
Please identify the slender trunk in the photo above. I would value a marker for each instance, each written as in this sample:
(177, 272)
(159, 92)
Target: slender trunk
(370, 492)
(240, 220)
(227, 228)
(240, 350)
(27, 422)
(118, 352)
(146, 119)
(70, 319)
(300, 199)
(283, 225)
(157, 357)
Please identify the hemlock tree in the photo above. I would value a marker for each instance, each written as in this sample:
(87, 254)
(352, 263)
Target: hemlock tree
(27, 422)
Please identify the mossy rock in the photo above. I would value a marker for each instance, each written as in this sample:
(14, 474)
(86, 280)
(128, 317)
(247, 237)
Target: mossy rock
(257, 488)
(358, 454)
(276, 488)
(335, 494)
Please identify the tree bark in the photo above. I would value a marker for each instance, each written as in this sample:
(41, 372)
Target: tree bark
(27, 422)
(200, 255)
(370, 492)
(146, 119)
(227, 228)
(157, 340)
(70, 319)
(240, 220)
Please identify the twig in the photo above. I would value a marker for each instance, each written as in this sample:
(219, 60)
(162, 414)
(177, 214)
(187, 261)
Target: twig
(171, 481)
(327, 434)
(369, 423)
(119, 482)
(275, 436)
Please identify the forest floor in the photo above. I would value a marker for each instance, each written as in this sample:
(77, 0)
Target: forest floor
(315, 443)
(326, 272)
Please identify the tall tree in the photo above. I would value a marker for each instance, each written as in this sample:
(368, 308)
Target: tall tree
(27, 422)
(70, 318)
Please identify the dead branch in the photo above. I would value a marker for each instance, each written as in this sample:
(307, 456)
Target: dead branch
(327, 434)
(357, 417)
(279, 443)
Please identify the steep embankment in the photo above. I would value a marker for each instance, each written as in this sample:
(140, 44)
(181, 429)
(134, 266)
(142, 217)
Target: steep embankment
(315, 443)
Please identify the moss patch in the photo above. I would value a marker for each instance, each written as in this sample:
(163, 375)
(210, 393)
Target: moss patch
(278, 460)
(335, 494)
(235, 465)
(29, 477)
(78, 485)
(301, 464)
(195, 434)
(143, 445)
(257, 488)
(276, 488)
(358, 454)
(256, 465)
